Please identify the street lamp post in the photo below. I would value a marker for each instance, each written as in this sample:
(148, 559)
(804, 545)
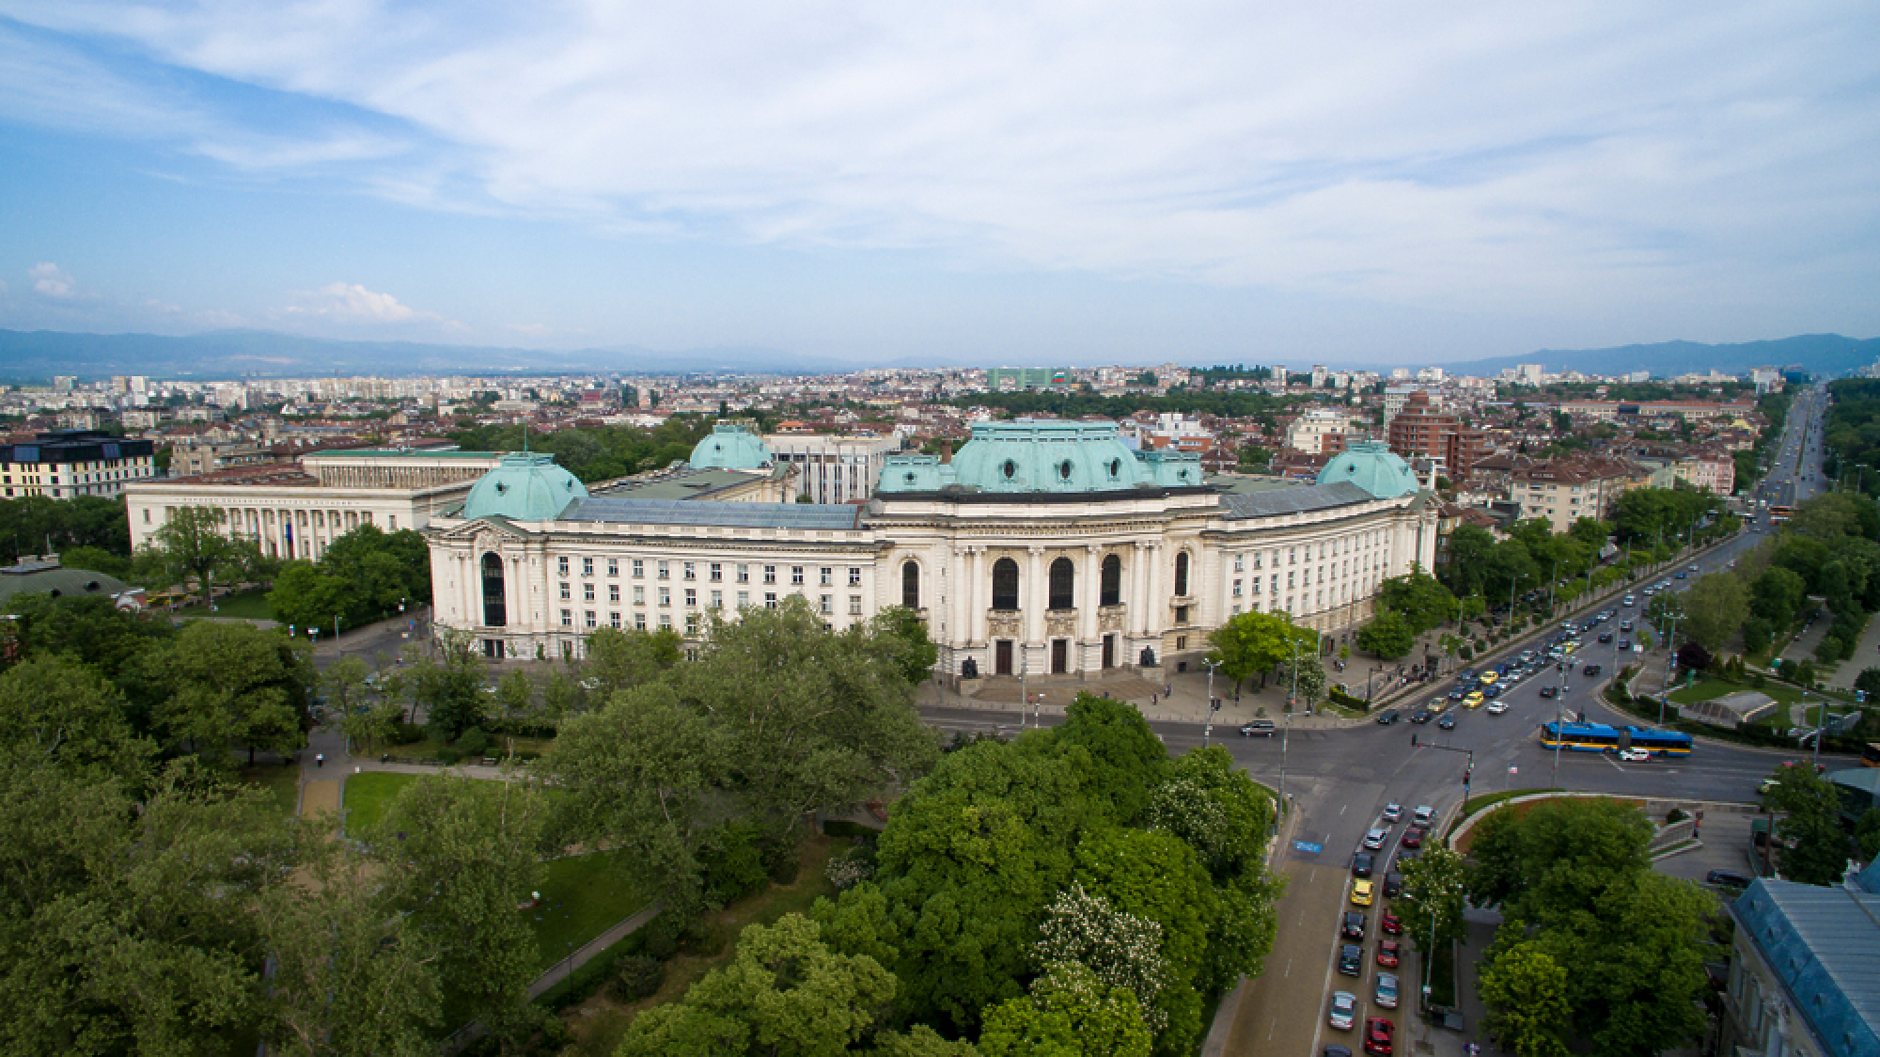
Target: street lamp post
(1207, 718)
(1664, 686)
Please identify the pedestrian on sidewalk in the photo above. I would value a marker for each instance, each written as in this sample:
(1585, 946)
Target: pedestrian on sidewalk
(319, 759)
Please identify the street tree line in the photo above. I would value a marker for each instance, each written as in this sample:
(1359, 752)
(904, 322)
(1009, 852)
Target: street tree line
(1072, 892)
(596, 453)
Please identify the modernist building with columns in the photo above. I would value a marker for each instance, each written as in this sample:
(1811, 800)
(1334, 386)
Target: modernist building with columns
(1041, 547)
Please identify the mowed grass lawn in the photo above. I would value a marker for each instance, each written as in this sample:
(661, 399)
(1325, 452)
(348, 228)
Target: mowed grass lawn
(282, 784)
(367, 797)
(1784, 695)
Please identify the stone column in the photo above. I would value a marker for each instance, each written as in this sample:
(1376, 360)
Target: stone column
(1156, 605)
(1088, 602)
(1035, 598)
(978, 594)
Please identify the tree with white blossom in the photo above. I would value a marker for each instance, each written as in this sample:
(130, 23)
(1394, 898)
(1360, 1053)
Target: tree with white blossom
(1119, 949)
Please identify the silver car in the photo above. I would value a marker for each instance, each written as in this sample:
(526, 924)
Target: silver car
(1387, 990)
(1344, 1010)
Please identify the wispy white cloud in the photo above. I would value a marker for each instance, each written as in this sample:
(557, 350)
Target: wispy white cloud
(353, 303)
(1495, 156)
(50, 280)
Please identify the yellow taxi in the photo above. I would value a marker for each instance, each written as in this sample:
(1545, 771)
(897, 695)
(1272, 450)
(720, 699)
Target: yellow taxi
(1474, 700)
(1488, 678)
(1361, 893)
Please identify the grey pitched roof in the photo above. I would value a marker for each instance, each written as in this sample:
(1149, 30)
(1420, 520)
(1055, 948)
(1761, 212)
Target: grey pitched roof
(705, 512)
(1293, 500)
(1824, 941)
(33, 577)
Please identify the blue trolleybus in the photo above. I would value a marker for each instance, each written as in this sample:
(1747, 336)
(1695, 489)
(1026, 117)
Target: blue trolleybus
(1598, 737)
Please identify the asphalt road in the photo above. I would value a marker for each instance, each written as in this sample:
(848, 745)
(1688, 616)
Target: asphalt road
(1340, 779)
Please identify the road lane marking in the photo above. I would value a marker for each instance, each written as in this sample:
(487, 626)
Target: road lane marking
(1288, 971)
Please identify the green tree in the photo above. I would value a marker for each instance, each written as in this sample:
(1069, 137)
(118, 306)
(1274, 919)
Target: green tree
(1469, 550)
(1388, 636)
(901, 631)
(450, 688)
(1253, 643)
(1419, 599)
(90, 630)
(1216, 809)
(1120, 949)
(457, 856)
(1715, 609)
(65, 714)
(1639, 951)
(344, 684)
(304, 597)
(194, 545)
(1069, 1013)
(785, 993)
(620, 658)
(515, 696)
(234, 684)
(1434, 888)
(1867, 834)
(1546, 862)
(1814, 848)
(1526, 993)
(1310, 684)
(1155, 876)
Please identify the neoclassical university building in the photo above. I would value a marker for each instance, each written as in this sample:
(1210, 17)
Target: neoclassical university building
(1040, 547)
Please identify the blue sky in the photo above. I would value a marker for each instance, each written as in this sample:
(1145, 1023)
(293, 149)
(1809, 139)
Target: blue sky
(971, 182)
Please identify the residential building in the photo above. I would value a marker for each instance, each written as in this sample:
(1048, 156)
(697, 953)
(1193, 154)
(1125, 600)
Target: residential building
(1421, 430)
(66, 464)
(1804, 977)
(1319, 431)
(831, 468)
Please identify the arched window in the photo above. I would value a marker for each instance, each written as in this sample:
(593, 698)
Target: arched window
(1063, 584)
(1005, 584)
(1181, 574)
(495, 613)
(1112, 581)
(910, 584)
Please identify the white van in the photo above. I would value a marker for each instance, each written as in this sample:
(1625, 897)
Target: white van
(1630, 601)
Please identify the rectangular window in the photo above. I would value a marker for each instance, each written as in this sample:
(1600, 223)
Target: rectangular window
(567, 618)
(770, 574)
(828, 604)
(828, 576)
(770, 599)
(718, 572)
(855, 605)
(639, 595)
(639, 568)
(587, 592)
(665, 570)
(1237, 591)
(613, 619)
(855, 576)
(691, 623)
(613, 566)
(587, 567)
(567, 592)
(718, 599)
(744, 573)
(1240, 563)
(1292, 556)
(691, 598)
(665, 596)
(744, 599)
(796, 576)
(562, 565)
(689, 573)
(613, 593)
(591, 622)
(1290, 582)
(665, 622)
(639, 621)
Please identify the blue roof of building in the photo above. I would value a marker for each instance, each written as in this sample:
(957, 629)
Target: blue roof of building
(706, 512)
(1824, 943)
(732, 447)
(1048, 457)
(525, 486)
(1372, 466)
(1297, 499)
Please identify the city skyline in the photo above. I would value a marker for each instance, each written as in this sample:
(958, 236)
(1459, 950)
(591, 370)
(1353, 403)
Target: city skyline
(1039, 185)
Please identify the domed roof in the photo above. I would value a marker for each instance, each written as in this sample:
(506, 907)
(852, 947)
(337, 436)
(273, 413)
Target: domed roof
(1028, 456)
(1372, 466)
(731, 448)
(525, 486)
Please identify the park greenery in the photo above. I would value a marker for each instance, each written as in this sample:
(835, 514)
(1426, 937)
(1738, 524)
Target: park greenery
(1850, 435)
(1256, 644)
(38, 524)
(366, 574)
(1812, 846)
(1073, 892)
(194, 548)
(1597, 953)
(596, 453)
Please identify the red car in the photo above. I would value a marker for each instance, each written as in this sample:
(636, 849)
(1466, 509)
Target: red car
(1389, 924)
(1377, 1036)
(1387, 953)
(1413, 837)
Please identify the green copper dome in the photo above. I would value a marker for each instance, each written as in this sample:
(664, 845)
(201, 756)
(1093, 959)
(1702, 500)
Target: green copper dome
(525, 486)
(1372, 466)
(1066, 458)
(731, 448)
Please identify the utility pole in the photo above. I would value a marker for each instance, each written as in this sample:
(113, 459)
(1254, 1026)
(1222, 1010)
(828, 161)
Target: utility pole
(1207, 718)
(1664, 686)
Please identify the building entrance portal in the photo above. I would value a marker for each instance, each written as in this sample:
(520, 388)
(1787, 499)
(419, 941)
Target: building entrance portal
(1002, 657)
(1109, 651)
(1060, 656)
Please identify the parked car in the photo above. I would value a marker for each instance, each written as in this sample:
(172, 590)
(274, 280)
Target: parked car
(1344, 1010)
(1351, 959)
(1259, 728)
(1377, 1036)
(1726, 878)
(1387, 717)
(1386, 991)
(1393, 884)
(1352, 927)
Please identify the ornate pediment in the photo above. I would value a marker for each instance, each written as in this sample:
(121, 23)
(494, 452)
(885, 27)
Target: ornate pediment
(484, 533)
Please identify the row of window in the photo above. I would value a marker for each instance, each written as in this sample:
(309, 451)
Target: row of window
(826, 605)
(714, 571)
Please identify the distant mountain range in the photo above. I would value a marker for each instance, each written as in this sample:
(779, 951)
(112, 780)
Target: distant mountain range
(40, 354)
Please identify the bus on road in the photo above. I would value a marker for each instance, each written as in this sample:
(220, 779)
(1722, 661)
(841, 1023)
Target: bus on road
(1598, 737)
(1780, 513)
(1870, 754)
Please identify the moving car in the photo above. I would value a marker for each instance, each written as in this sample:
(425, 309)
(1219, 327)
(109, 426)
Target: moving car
(1375, 837)
(1550, 691)
(1492, 692)
(1474, 700)
(1344, 1010)
(1259, 728)
(1625, 625)
(1361, 893)
(1630, 601)
(1352, 928)
(1605, 637)
(1386, 992)
(1362, 864)
(1447, 723)
(1388, 924)
(1489, 677)
(1351, 959)
(1422, 815)
(1726, 878)
(1591, 669)
(1387, 717)
(1496, 708)
(1625, 644)
(1377, 1035)
(1420, 716)
(1389, 953)
(1393, 812)
(1413, 837)
(1634, 755)
(1393, 884)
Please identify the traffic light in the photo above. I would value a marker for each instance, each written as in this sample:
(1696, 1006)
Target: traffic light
(1465, 780)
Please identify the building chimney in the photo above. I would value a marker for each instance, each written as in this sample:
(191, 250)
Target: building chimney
(946, 451)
